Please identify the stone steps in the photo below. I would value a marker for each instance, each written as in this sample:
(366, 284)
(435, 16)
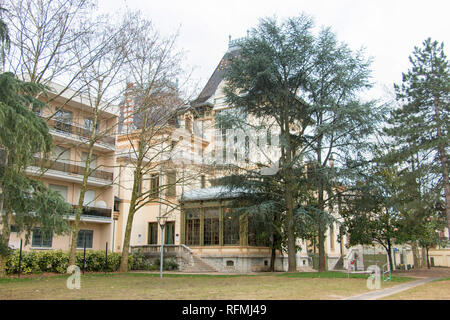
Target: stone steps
(199, 266)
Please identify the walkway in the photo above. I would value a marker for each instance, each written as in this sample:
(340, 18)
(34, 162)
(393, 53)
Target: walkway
(379, 294)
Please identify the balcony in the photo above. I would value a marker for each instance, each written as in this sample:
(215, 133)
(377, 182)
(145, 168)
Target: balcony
(95, 211)
(71, 169)
(66, 128)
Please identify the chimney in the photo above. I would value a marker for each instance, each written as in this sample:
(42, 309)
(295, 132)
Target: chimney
(128, 108)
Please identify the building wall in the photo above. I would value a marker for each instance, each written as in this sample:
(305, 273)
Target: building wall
(101, 234)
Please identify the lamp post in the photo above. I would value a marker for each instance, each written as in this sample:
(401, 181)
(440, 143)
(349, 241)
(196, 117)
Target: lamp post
(161, 221)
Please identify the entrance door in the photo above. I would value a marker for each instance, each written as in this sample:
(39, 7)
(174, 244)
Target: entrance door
(153, 233)
(169, 233)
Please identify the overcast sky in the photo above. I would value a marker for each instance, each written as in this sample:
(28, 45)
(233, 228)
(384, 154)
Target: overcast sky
(388, 29)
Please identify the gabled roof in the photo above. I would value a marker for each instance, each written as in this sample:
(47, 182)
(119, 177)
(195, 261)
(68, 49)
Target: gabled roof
(216, 78)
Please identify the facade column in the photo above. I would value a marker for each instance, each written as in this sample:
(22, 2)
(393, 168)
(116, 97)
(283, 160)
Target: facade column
(182, 225)
(202, 223)
(243, 230)
(220, 224)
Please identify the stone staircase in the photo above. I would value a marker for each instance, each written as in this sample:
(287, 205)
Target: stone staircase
(339, 264)
(198, 266)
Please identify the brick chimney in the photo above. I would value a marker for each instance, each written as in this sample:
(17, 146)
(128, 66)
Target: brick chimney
(128, 108)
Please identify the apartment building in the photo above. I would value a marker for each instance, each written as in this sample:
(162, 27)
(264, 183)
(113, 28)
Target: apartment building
(70, 120)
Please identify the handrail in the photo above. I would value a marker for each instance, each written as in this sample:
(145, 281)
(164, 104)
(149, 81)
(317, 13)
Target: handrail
(70, 168)
(388, 270)
(72, 128)
(187, 248)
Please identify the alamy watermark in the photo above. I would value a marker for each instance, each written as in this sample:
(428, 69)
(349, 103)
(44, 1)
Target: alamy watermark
(74, 281)
(229, 147)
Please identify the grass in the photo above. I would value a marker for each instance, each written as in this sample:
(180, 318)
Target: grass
(435, 290)
(272, 286)
(338, 275)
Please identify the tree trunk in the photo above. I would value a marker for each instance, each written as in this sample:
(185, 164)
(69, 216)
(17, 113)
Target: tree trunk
(272, 259)
(4, 238)
(79, 210)
(290, 226)
(389, 251)
(424, 257)
(289, 194)
(126, 241)
(322, 265)
(428, 259)
(137, 180)
(415, 251)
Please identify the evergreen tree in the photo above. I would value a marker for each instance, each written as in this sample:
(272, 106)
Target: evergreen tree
(25, 201)
(308, 86)
(264, 82)
(420, 126)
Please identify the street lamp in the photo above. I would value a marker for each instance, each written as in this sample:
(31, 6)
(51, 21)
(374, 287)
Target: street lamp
(162, 222)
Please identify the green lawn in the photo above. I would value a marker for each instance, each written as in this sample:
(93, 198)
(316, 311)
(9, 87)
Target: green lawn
(435, 290)
(311, 286)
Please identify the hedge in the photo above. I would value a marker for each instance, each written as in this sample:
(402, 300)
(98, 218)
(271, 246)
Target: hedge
(57, 261)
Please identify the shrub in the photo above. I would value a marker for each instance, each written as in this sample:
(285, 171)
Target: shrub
(168, 264)
(57, 261)
(140, 261)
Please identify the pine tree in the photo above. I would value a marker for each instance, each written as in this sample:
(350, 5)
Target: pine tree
(420, 126)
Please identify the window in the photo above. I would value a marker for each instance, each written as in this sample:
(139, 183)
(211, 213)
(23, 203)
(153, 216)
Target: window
(88, 124)
(152, 233)
(92, 164)
(61, 154)
(211, 227)
(224, 145)
(258, 233)
(230, 227)
(332, 237)
(192, 232)
(85, 235)
(202, 181)
(154, 185)
(171, 184)
(63, 120)
(41, 240)
(169, 233)
(62, 190)
(247, 149)
(269, 138)
(89, 197)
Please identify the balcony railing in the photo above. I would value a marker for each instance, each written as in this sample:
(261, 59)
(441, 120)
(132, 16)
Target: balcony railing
(70, 168)
(95, 212)
(71, 128)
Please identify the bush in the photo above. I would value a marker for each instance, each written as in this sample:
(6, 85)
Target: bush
(57, 261)
(140, 261)
(168, 264)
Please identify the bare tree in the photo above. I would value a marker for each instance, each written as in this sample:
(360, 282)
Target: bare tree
(105, 51)
(154, 64)
(43, 34)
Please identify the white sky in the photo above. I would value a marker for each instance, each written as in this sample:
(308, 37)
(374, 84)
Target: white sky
(388, 29)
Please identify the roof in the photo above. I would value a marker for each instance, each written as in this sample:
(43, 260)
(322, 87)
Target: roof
(213, 83)
(213, 193)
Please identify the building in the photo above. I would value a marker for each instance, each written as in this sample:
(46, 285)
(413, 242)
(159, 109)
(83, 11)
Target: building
(200, 229)
(70, 120)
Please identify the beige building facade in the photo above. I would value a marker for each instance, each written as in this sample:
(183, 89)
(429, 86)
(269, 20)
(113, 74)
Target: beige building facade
(70, 119)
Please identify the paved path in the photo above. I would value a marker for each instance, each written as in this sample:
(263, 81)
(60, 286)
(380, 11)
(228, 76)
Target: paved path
(378, 294)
